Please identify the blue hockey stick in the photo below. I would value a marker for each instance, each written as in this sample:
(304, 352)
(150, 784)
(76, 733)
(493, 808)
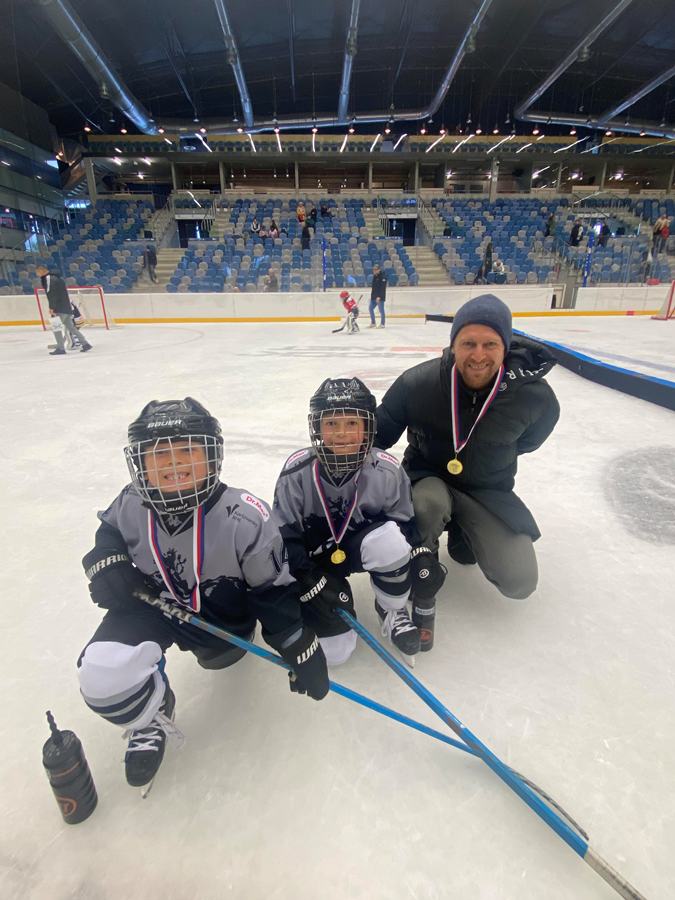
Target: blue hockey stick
(572, 838)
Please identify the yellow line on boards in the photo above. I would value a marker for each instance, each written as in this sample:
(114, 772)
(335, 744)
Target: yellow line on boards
(559, 313)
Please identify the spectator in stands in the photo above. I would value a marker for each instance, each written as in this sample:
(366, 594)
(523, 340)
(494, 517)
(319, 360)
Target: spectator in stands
(465, 434)
(274, 230)
(487, 259)
(447, 231)
(604, 235)
(150, 262)
(658, 237)
(255, 227)
(576, 233)
(271, 283)
(479, 277)
(378, 295)
(498, 274)
(311, 218)
(301, 213)
(305, 237)
(550, 226)
(325, 211)
(60, 307)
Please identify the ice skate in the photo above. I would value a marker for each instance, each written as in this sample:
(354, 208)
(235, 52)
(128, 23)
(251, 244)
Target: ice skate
(399, 628)
(145, 750)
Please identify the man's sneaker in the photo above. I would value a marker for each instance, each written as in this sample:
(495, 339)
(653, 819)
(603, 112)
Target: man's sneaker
(145, 750)
(380, 326)
(58, 352)
(87, 347)
(372, 325)
(398, 627)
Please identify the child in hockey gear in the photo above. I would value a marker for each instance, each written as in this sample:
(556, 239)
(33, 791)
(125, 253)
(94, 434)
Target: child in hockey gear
(352, 308)
(181, 533)
(344, 506)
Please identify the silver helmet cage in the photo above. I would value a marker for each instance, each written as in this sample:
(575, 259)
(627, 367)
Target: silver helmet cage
(339, 467)
(198, 486)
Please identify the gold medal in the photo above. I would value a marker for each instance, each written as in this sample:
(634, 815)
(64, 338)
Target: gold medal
(455, 467)
(338, 556)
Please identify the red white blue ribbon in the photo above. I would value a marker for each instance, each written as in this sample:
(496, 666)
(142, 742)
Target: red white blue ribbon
(198, 518)
(454, 406)
(337, 535)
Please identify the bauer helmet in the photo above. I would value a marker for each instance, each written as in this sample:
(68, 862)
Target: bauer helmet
(156, 455)
(344, 295)
(341, 398)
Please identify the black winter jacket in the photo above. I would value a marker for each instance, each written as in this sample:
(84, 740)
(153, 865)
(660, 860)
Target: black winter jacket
(57, 295)
(378, 287)
(521, 417)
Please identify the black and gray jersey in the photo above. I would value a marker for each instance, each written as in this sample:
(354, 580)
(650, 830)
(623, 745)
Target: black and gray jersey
(234, 551)
(384, 494)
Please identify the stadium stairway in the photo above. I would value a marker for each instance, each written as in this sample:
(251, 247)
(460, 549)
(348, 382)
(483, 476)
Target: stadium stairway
(167, 260)
(428, 267)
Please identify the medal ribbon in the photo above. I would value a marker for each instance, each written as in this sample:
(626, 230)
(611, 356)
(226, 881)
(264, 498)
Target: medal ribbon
(454, 407)
(337, 535)
(198, 518)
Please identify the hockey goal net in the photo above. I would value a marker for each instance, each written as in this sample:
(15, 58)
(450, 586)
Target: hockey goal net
(667, 310)
(89, 300)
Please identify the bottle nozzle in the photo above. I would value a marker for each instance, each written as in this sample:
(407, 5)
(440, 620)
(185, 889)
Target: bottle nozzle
(56, 734)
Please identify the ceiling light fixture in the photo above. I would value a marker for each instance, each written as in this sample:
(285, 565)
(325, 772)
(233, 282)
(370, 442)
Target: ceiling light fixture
(123, 131)
(87, 128)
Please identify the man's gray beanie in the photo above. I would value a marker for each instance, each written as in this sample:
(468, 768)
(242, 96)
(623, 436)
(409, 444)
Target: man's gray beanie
(484, 310)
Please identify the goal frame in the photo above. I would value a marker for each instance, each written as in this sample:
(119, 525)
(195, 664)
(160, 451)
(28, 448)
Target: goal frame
(667, 310)
(40, 295)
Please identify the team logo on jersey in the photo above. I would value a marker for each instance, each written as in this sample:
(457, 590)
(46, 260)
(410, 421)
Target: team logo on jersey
(295, 457)
(231, 509)
(503, 386)
(387, 458)
(256, 504)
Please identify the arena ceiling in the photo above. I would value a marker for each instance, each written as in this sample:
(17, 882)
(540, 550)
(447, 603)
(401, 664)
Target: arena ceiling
(172, 59)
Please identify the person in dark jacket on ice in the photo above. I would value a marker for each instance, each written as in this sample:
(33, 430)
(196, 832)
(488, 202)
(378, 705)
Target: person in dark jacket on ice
(469, 415)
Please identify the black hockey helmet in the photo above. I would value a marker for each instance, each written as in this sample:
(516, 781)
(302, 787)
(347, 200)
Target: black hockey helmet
(337, 397)
(169, 422)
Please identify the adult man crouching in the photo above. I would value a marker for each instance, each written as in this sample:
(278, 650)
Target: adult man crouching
(469, 415)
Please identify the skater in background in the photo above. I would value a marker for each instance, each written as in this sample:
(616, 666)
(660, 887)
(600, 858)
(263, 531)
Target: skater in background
(469, 415)
(352, 309)
(178, 532)
(378, 295)
(60, 308)
(344, 506)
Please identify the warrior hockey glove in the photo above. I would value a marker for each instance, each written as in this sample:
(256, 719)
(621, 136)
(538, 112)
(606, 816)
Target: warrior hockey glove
(113, 580)
(325, 592)
(306, 658)
(427, 573)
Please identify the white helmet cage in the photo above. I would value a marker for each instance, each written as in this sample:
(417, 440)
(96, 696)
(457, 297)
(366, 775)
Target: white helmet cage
(189, 488)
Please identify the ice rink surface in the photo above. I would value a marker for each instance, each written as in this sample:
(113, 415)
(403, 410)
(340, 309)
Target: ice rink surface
(275, 796)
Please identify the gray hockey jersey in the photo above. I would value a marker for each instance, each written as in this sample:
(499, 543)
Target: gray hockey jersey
(384, 493)
(234, 545)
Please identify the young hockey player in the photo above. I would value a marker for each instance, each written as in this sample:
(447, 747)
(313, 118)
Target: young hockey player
(179, 532)
(352, 309)
(344, 506)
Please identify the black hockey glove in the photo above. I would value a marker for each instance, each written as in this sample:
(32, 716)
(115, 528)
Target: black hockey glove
(427, 573)
(325, 592)
(113, 580)
(309, 674)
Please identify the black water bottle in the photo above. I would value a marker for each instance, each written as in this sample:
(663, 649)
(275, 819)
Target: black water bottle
(68, 772)
(424, 617)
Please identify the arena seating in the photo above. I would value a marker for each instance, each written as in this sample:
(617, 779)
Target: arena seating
(99, 248)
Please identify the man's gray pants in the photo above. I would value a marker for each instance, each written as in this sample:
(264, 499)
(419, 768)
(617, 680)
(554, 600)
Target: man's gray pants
(71, 328)
(506, 559)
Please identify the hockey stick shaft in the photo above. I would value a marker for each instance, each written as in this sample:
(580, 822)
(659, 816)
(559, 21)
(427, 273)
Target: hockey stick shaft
(184, 615)
(511, 778)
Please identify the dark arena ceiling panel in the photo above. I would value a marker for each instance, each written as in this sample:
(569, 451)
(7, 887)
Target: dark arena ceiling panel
(176, 61)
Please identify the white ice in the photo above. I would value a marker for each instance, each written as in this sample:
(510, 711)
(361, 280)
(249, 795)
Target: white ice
(273, 795)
